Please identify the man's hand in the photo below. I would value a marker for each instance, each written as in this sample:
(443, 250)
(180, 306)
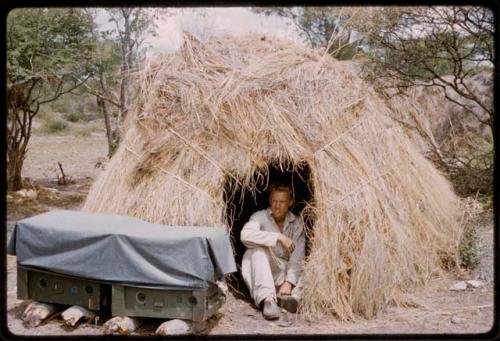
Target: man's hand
(285, 289)
(286, 242)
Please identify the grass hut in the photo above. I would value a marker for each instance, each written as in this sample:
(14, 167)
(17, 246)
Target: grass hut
(215, 122)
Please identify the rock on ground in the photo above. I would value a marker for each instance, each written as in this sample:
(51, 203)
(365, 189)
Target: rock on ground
(459, 286)
(75, 313)
(37, 312)
(122, 325)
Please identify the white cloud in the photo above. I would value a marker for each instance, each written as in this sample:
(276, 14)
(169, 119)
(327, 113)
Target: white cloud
(206, 22)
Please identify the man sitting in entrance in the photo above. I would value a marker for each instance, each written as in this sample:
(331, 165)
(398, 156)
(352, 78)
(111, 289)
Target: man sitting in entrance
(271, 265)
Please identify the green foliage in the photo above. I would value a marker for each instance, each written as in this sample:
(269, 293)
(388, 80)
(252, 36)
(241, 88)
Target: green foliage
(471, 173)
(487, 202)
(119, 50)
(469, 247)
(424, 58)
(422, 43)
(44, 114)
(47, 44)
(475, 178)
(62, 104)
(321, 27)
(131, 26)
(78, 116)
(90, 105)
(107, 62)
(48, 54)
(441, 48)
(84, 131)
(76, 107)
(53, 125)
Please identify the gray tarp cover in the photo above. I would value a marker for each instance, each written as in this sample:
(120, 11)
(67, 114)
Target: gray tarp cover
(120, 249)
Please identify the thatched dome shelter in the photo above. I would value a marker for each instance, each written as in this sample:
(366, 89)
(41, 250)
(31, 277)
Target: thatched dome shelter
(216, 121)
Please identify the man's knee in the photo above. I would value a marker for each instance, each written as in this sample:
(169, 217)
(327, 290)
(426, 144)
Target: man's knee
(258, 254)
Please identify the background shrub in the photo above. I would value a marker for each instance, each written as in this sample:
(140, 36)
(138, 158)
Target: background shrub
(53, 125)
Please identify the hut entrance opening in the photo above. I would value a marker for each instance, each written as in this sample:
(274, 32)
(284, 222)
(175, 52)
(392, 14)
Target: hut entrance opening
(241, 203)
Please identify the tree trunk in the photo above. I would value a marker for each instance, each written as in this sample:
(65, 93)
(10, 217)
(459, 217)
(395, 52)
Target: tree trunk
(123, 95)
(107, 122)
(126, 43)
(18, 134)
(15, 160)
(111, 133)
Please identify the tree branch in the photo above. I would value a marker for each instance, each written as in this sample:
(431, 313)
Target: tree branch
(60, 92)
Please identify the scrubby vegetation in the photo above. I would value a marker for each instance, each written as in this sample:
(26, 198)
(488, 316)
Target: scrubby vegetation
(54, 125)
(469, 247)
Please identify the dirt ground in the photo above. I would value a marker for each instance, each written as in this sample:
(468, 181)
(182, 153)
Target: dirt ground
(83, 158)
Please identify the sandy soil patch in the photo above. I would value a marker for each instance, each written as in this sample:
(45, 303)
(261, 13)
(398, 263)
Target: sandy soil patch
(78, 156)
(473, 308)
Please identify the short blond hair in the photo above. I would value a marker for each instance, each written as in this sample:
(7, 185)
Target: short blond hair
(281, 187)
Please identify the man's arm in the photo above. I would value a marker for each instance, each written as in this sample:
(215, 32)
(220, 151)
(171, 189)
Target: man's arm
(253, 236)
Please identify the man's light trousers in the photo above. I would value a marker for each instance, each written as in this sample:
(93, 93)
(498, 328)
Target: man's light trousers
(262, 276)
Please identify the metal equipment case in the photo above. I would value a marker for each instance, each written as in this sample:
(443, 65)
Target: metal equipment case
(54, 288)
(130, 266)
(121, 300)
(168, 304)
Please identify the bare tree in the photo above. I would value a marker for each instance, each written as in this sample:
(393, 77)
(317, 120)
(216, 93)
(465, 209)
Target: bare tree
(444, 53)
(432, 47)
(132, 26)
(120, 50)
(325, 27)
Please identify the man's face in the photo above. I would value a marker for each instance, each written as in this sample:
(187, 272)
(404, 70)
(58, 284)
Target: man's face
(280, 203)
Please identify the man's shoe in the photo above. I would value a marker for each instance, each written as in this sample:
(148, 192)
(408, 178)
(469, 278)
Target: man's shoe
(289, 303)
(270, 310)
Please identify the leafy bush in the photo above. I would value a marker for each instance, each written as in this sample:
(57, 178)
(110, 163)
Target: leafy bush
(62, 104)
(469, 247)
(43, 114)
(84, 131)
(75, 103)
(78, 116)
(91, 105)
(54, 125)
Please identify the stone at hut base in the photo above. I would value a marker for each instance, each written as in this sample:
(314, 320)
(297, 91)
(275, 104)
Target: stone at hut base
(75, 313)
(475, 283)
(121, 325)
(458, 286)
(180, 327)
(37, 312)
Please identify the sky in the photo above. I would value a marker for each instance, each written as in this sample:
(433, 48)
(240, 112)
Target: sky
(206, 22)
(216, 21)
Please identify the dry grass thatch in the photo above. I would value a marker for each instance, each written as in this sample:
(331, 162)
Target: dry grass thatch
(385, 219)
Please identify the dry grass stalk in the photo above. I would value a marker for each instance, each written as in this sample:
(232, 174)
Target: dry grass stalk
(245, 103)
